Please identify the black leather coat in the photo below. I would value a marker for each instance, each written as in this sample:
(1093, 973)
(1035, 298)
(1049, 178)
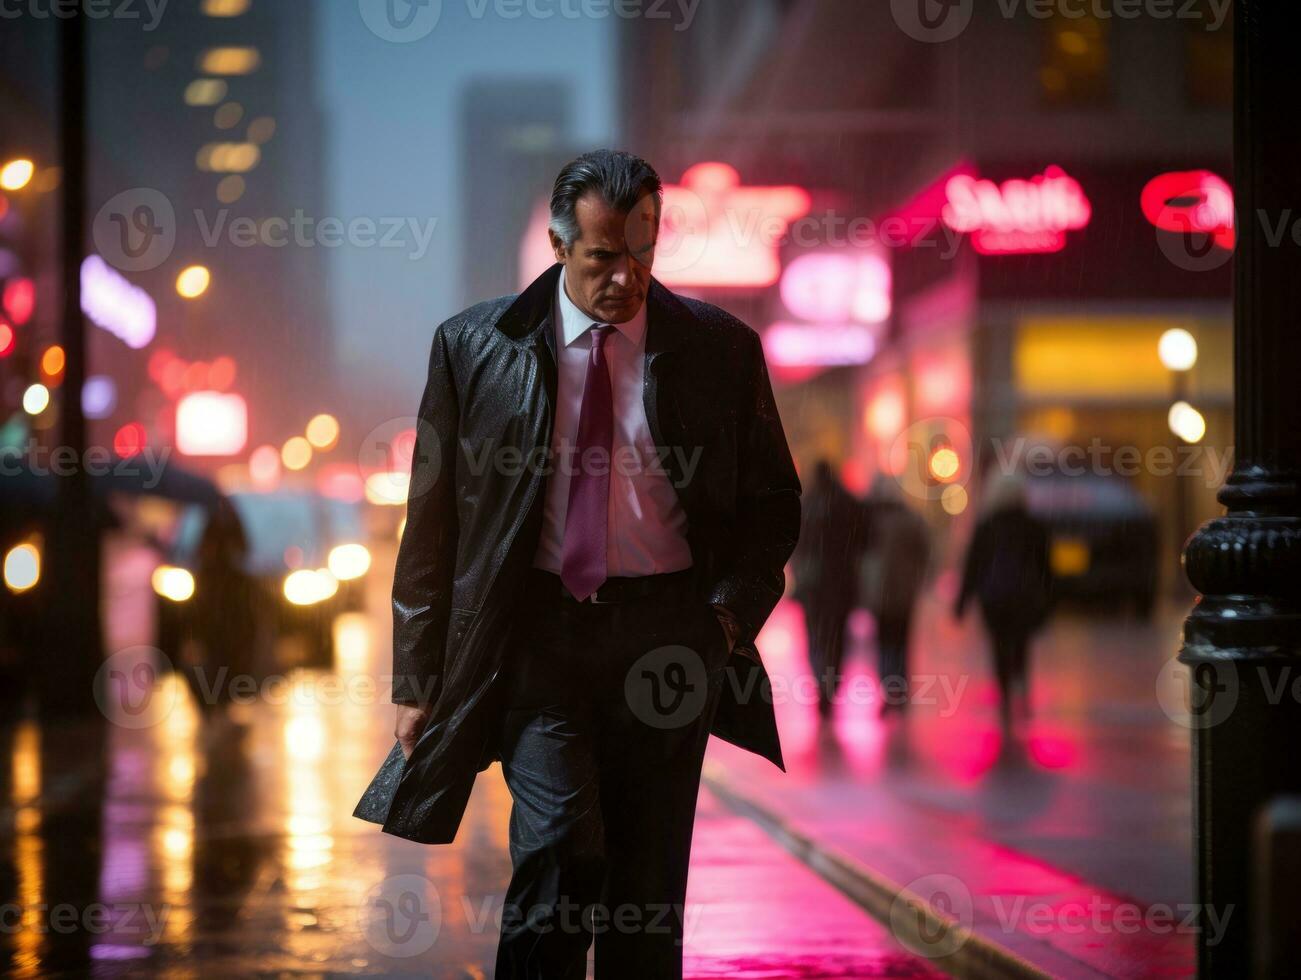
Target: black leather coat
(472, 529)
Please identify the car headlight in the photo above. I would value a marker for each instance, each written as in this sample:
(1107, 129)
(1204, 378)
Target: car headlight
(308, 586)
(173, 583)
(347, 561)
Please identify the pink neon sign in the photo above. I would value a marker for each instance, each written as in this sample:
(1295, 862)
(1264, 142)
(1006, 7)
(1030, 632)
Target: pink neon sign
(800, 345)
(111, 302)
(831, 287)
(1191, 201)
(1017, 216)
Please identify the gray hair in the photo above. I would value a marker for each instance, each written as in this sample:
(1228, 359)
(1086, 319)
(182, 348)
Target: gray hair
(621, 178)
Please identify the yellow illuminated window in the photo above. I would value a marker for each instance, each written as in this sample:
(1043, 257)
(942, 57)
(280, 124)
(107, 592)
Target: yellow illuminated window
(229, 61)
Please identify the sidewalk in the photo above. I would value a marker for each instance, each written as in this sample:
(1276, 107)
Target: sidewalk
(1066, 853)
(183, 845)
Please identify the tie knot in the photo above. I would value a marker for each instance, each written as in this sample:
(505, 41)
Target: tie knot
(599, 332)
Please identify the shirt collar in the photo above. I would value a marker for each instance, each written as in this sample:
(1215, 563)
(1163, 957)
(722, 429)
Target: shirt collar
(572, 322)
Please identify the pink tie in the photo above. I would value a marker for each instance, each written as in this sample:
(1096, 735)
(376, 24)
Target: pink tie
(583, 558)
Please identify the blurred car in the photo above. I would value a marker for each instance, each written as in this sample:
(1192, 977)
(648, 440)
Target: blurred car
(269, 565)
(29, 506)
(1103, 538)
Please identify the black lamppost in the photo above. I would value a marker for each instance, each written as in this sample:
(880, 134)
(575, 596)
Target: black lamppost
(1242, 641)
(66, 677)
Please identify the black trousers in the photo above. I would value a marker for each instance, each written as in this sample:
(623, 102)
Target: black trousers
(825, 626)
(893, 631)
(607, 714)
(1011, 649)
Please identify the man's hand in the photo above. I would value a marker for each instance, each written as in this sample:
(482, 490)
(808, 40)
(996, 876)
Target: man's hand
(410, 723)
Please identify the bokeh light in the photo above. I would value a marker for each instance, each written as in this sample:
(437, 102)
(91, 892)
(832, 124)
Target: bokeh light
(193, 281)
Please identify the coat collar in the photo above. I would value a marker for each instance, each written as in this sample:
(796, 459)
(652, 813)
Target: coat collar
(528, 320)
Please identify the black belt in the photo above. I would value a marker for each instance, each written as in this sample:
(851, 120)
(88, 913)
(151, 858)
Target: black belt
(617, 588)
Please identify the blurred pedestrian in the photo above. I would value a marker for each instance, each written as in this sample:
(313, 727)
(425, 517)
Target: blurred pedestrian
(1007, 570)
(891, 575)
(825, 567)
(224, 612)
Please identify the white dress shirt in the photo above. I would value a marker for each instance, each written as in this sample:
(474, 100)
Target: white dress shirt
(646, 530)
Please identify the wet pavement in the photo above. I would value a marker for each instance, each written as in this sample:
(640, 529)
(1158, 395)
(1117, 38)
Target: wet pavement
(176, 842)
(1067, 844)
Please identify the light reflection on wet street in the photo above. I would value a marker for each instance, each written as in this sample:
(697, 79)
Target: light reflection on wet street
(177, 842)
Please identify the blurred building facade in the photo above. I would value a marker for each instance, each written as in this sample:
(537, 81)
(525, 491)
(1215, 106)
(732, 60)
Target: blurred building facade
(1016, 315)
(515, 137)
(204, 115)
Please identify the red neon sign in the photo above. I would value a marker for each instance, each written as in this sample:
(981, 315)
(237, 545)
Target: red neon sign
(1017, 216)
(1191, 201)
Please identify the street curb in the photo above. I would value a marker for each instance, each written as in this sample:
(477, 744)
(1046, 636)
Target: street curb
(976, 956)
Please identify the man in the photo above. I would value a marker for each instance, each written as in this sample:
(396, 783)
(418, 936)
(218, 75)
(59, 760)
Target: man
(602, 503)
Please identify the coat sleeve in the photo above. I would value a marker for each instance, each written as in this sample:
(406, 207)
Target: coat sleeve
(422, 578)
(767, 503)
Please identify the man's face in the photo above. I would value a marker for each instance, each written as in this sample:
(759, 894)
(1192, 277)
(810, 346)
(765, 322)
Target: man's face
(608, 268)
